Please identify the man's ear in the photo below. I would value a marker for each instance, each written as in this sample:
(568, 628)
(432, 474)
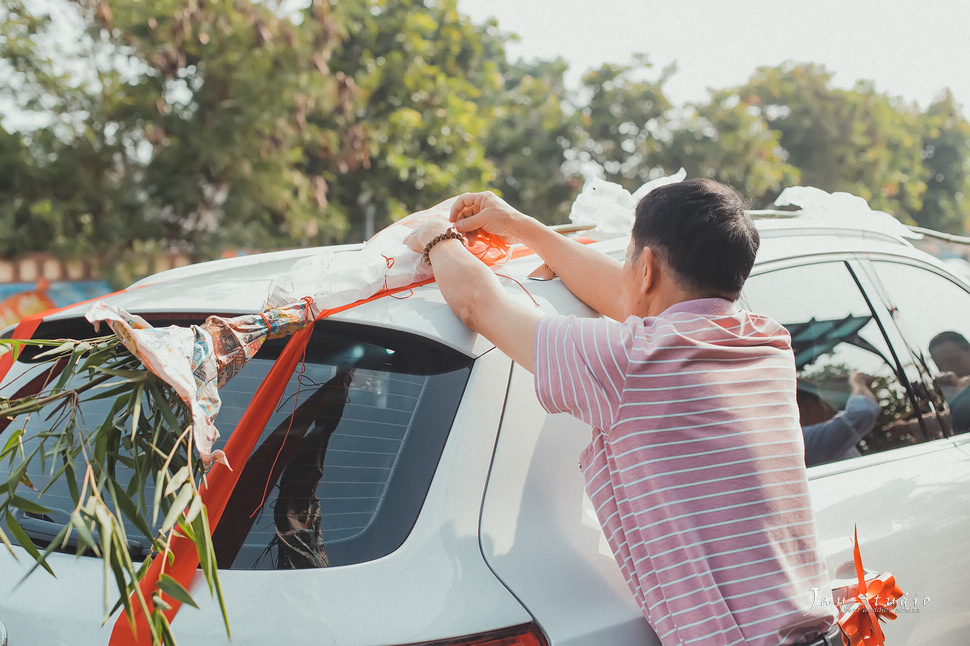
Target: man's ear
(650, 268)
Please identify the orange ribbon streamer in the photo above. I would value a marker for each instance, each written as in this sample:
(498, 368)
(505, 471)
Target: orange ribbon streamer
(221, 481)
(874, 602)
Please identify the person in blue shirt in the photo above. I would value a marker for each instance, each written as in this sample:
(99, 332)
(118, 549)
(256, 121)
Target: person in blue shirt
(829, 436)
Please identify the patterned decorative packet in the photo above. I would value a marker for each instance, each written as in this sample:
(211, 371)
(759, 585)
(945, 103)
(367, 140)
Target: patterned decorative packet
(196, 361)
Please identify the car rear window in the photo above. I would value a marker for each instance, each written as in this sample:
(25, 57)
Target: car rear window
(341, 470)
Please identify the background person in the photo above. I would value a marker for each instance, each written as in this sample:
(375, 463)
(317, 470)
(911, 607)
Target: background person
(696, 465)
(951, 353)
(831, 436)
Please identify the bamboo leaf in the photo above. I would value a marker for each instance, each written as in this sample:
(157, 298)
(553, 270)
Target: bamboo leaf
(84, 535)
(71, 476)
(174, 589)
(53, 480)
(12, 443)
(214, 581)
(24, 541)
(28, 506)
(161, 405)
(177, 481)
(114, 391)
(6, 541)
(66, 373)
(157, 502)
(178, 506)
(136, 408)
(194, 508)
(128, 508)
(161, 603)
(61, 349)
(62, 536)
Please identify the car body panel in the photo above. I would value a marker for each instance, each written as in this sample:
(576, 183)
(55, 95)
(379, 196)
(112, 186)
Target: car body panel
(436, 585)
(910, 507)
(540, 534)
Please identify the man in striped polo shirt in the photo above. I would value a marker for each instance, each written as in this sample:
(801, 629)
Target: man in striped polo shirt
(696, 467)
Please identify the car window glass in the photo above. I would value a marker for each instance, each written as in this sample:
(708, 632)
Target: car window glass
(837, 343)
(933, 312)
(341, 470)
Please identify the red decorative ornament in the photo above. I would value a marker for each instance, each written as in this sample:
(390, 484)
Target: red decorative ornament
(873, 602)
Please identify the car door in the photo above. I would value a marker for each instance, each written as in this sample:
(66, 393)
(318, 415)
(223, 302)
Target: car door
(905, 484)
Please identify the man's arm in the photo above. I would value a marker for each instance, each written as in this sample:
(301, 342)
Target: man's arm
(477, 297)
(830, 440)
(589, 274)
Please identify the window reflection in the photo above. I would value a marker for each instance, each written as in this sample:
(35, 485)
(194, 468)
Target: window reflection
(850, 398)
(933, 312)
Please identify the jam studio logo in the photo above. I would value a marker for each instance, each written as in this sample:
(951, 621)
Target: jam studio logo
(907, 603)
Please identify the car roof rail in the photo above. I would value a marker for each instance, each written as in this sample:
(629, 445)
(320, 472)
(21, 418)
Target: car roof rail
(940, 235)
(864, 223)
(780, 214)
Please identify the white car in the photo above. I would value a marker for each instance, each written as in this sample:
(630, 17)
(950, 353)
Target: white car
(451, 505)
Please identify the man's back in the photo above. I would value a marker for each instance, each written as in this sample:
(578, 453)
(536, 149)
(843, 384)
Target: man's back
(698, 476)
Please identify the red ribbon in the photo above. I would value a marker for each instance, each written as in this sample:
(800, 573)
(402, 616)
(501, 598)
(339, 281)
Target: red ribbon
(220, 481)
(873, 602)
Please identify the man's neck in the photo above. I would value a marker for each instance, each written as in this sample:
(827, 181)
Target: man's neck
(667, 299)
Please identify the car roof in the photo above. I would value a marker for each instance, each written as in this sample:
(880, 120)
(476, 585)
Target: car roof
(239, 285)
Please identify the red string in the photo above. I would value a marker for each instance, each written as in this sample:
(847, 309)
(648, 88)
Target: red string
(215, 493)
(296, 401)
(520, 285)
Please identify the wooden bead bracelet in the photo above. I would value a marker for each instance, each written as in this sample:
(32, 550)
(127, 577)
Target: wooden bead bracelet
(450, 233)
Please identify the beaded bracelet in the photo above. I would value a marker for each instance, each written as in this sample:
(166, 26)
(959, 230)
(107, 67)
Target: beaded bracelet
(450, 233)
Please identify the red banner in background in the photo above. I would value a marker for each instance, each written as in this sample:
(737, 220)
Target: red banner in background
(20, 306)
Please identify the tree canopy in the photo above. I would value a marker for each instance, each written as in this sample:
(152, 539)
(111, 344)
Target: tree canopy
(261, 124)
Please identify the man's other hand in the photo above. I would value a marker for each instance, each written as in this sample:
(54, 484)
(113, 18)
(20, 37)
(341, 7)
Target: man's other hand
(485, 211)
(421, 236)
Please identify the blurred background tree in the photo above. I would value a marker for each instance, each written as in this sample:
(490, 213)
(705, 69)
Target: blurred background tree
(857, 141)
(624, 117)
(144, 127)
(534, 130)
(426, 82)
(946, 159)
(728, 140)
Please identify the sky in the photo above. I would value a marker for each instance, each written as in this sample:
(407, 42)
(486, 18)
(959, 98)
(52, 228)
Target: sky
(909, 49)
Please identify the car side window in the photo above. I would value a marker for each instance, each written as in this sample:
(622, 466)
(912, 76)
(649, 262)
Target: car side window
(851, 400)
(933, 313)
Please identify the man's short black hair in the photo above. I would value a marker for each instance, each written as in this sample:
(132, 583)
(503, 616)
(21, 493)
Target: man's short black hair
(955, 338)
(700, 230)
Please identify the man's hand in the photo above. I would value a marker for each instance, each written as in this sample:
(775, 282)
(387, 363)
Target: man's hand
(488, 212)
(583, 269)
(861, 384)
(420, 237)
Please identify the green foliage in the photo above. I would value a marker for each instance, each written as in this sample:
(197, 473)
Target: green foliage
(857, 141)
(532, 132)
(730, 141)
(193, 129)
(423, 73)
(260, 124)
(125, 472)
(946, 152)
(624, 122)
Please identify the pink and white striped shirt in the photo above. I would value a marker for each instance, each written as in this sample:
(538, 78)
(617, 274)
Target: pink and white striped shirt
(696, 467)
